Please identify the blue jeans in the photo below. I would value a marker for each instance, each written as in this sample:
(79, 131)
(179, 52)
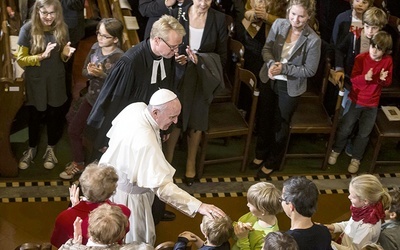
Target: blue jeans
(353, 113)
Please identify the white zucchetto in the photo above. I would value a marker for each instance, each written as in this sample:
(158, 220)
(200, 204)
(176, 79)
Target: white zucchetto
(162, 96)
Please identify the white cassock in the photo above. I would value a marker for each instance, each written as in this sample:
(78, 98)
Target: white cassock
(135, 152)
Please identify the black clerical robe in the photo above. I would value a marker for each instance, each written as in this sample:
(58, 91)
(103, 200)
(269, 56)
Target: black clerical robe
(128, 82)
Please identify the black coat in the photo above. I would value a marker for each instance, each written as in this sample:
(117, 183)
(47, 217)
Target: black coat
(194, 92)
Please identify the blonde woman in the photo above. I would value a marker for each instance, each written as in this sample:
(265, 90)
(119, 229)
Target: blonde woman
(291, 55)
(43, 48)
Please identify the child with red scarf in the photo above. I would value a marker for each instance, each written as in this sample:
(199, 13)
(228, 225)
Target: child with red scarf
(368, 203)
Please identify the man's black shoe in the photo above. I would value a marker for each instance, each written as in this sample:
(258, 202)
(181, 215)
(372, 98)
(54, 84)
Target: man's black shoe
(168, 216)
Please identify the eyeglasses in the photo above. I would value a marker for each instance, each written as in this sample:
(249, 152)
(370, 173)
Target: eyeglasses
(280, 199)
(45, 13)
(173, 48)
(103, 36)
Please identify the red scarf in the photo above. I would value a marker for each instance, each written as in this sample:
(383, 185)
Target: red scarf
(369, 214)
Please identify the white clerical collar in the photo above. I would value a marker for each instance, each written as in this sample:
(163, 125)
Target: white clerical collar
(156, 63)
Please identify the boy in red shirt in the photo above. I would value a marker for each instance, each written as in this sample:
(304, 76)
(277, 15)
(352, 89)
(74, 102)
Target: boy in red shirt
(372, 71)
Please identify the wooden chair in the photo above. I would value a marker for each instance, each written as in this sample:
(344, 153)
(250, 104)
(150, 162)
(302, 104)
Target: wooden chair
(230, 23)
(314, 82)
(92, 9)
(5, 51)
(34, 246)
(384, 129)
(235, 55)
(169, 245)
(311, 117)
(104, 8)
(227, 120)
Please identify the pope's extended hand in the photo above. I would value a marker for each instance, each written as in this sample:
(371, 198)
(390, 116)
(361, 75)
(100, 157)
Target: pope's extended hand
(210, 210)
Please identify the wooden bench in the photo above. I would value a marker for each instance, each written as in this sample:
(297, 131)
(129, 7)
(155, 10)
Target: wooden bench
(12, 92)
(112, 8)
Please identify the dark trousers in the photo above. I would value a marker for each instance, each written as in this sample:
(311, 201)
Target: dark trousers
(54, 118)
(275, 110)
(365, 116)
(158, 210)
(75, 130)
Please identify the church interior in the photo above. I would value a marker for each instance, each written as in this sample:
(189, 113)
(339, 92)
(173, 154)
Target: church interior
(31, 199)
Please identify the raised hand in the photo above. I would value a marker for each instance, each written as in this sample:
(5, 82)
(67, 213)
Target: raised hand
(77, 231)
(68, 50)
(74, 194)
(383, 74)
(181, 59)
(191, 55)
(49, 48)
(368, 76)
(261, 13)
(95, 70)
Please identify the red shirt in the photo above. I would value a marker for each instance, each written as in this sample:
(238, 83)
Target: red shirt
(64, 229)
(368, 93)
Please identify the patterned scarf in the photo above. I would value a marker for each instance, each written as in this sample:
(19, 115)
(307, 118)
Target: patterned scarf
(369, 214)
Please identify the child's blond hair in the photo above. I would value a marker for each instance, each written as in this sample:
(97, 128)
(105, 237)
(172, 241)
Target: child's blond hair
(368, 187)
(375, 17)
(217, 230)
(265, 197)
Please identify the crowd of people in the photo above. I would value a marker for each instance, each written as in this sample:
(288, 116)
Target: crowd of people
(150, 95)
(99, 222)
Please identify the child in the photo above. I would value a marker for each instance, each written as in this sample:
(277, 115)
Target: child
(43, 48)
(251, 229)
(107, 227)
(217, 232)
(280, 241)
(353, 40)
(350, 19)
(371, 72)
(99, 62)
(389, 237)
(357, 41)
(368, 201)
